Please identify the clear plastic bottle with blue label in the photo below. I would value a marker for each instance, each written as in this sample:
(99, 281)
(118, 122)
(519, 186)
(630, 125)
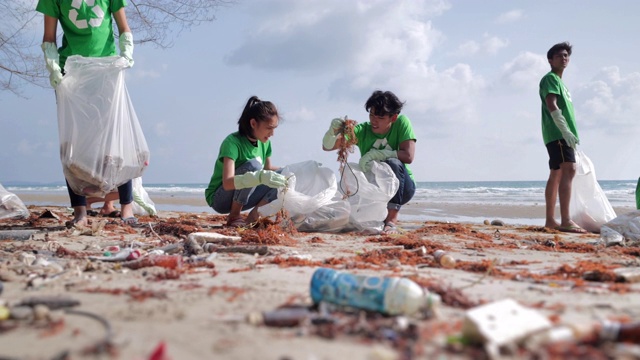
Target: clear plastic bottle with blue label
(386, 295)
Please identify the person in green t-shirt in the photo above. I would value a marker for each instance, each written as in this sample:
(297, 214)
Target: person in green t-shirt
(87, 31)
(388, 136)
(243, 176)
(560, 136)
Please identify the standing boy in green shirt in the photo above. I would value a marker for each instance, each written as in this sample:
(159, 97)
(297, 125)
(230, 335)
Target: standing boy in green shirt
(560, 135)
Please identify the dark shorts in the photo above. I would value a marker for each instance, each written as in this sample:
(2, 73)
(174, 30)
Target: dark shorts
(560, 152)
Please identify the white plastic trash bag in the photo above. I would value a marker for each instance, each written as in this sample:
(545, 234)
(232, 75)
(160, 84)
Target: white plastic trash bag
(369, 194)
(589, 206)
(142, 203)
(101, 142)
(11, 207)
(622, 230)
(310, 186)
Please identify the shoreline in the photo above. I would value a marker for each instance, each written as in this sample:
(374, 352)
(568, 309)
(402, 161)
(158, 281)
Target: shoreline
(469, 212)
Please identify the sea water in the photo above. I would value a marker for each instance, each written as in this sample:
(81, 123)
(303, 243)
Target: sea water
(182, 197)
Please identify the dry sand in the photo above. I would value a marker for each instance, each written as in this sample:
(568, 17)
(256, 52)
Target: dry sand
(198, 311)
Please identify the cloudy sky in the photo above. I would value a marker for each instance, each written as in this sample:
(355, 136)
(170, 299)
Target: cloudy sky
(468, 71)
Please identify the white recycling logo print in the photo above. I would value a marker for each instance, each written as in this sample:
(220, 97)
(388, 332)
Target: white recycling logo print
(83, 24)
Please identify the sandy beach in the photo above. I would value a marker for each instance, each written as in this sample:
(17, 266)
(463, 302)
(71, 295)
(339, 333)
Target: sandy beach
(198, 310)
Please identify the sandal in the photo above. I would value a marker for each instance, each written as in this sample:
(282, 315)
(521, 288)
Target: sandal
(76, 223)
(236, 223)
(389, 229)
(131, 221)
(113, 214)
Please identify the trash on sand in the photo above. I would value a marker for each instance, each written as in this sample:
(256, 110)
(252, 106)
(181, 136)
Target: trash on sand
(444, 259)
(282, 317)
(501, 323)
(386, 295)
(166, 261)
(52, 302)
(207, 237)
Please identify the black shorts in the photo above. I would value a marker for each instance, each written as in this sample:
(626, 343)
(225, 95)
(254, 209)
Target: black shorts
(560, 152)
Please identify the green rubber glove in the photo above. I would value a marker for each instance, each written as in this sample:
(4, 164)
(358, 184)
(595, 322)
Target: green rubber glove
(330, 137)
(150, 209)
(126, 46)
(561, 123)
(265, 177)
(52, 59)
(375, 155)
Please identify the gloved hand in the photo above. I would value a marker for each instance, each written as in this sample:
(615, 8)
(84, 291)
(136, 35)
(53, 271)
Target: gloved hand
(561, 123)
(126, 46)
(52, 59)
(252, 179)
(330, 137)
(375, 154)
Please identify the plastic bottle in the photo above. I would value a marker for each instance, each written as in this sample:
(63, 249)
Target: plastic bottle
(166, 261)
(391, 296)
(615, 331)
(560, 333)
(444, 259)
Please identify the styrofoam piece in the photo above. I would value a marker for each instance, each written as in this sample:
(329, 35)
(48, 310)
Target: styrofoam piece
(213, 237)
(502, 322)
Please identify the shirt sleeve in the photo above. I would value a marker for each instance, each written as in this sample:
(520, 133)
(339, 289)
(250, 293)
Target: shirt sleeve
(48, 7)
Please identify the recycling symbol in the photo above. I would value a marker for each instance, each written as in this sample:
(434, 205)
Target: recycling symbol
(83, 24)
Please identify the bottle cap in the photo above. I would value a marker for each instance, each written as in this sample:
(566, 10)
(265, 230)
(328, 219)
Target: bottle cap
(255, 318)
(609, 330)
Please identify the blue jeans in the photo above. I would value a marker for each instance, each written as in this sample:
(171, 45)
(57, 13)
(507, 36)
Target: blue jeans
(407, 187)
(249, 197)
(125, 192)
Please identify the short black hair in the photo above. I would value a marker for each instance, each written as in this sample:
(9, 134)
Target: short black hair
(384, 103)
(559, 47)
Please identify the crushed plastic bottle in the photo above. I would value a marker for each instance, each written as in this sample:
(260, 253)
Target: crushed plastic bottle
(444, 259)
(386, 295)
(166, 261)
(615, 331)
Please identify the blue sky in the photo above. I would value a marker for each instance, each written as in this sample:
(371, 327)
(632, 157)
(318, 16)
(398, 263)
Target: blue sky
(468, 71)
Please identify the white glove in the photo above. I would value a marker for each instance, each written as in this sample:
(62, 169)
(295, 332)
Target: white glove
(330, 137)
(561, 123)
(375, 154)
(52, 59)
(126, 46)
(252, 179)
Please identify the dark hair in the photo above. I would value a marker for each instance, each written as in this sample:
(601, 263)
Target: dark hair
(559, 47)
(255, 109)
(384, 103)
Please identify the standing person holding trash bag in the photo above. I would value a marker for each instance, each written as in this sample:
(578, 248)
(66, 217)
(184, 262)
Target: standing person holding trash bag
(87, 31)
(387, 137)
(560, 136)
(243, 177)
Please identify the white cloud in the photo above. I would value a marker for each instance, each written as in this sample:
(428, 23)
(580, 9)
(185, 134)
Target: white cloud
(525, 71)
(510, 16)
(609, 101)
(489, 45)
(301, 115)
(161, 129)
(26, 148)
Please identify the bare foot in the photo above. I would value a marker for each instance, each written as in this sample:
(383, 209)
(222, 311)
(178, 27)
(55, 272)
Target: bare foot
(552, 225)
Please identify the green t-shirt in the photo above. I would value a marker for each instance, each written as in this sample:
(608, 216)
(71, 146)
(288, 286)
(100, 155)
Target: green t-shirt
(551, 83)
(401, 130)
(239, 149)
(88, 30)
